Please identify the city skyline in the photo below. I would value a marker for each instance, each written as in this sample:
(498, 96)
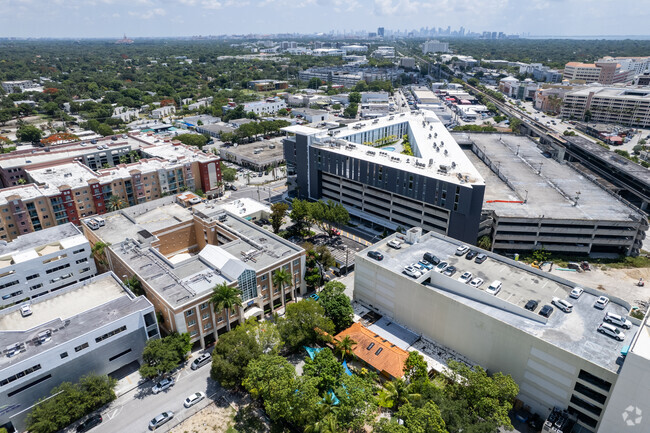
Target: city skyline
(145, 18)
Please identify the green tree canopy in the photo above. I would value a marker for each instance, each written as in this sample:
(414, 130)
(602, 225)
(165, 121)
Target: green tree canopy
(415, 367)
(325, 367)
(278, 211)
(337, 305)
(196, 140)
(328, 214)
(104, 129)
(227, 173)
(298, 327)
(162, 356)
(225, 297)
(29, 133)
(232, 354)
(300, 214)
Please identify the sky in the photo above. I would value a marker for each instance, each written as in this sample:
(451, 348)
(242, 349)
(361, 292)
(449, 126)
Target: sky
(169, 18)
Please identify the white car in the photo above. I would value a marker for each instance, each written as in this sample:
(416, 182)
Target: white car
(494, 288)
(26, 310)
(476, 282)
(601, 302)
(412, 272)
(576, 292)
(612, 331)
(462, 250)
(395, 244)
(465, 278)
(562, 305)
(441, 267)
(193, 399)
(617, 320)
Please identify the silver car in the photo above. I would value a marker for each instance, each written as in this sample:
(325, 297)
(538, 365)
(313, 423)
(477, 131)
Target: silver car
(160, 419)
(617, 320)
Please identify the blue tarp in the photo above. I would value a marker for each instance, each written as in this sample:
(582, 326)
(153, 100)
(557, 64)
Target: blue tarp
(312, 351)
(335, 400)
(346, 369)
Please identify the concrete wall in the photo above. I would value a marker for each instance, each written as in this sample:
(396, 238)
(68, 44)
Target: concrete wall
(545, 373)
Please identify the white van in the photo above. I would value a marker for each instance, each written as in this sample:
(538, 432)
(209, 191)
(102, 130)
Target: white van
(92, 224)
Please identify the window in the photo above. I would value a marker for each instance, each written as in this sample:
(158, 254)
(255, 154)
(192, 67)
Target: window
(78, 251)
(20, 374)
(110, 334)
(81, 260)
(84, 270)
(64, 355)
(31, 277)
(264, 277)
(207, 326)
(113, 358)
(191, 323)
(193, 333)
(189, 313)
(58, 268)
(9, 284)
(379, 351)
(370, 346)
(205, 316)
(590, 378)
(204, 306)
(296, 262)
(29, 385)
(80, 348)
(37, 286)
(220, 319)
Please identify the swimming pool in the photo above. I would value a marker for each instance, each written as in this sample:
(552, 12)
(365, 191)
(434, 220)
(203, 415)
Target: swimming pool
(388, 148)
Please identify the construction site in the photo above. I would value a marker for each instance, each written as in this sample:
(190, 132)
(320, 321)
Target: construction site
(532, 201)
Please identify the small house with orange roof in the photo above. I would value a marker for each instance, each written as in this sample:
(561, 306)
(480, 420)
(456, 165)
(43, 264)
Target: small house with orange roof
(377, 352)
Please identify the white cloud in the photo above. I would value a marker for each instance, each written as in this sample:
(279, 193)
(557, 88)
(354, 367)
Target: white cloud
(148, 14)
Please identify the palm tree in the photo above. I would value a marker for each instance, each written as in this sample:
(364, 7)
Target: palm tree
(115, 202)
(226, 298)
(324, 425)
(282, 278)
(396, 393)
(345, 347)
(99, 252)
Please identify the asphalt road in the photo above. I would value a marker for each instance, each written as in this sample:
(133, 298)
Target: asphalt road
(273, 191)
(132, 411)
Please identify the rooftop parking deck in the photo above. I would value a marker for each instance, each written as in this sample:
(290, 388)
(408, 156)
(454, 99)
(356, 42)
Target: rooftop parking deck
(575, 332)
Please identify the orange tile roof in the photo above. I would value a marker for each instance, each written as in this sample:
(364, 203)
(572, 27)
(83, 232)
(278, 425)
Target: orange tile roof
(581, 65)
(390, 359)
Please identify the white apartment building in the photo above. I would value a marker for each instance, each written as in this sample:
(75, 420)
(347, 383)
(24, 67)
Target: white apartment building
(637, 64)
(435, 47)
(38, 263)
(269, 106)
(96, 326)
(161, 112)
(328, 52)
(624, 106)
(384, 53)
(10, 86)
(355, 48)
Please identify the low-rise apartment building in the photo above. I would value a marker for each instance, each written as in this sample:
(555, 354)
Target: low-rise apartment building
(267, 85)
(38, 263)
(19, 86)
(628, 106)
(179, 255)
(96, 326)
(435, 47)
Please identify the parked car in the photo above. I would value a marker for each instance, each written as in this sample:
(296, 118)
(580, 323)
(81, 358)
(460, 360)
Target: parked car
(160, 419)
(611, 330)
(91, 422)
(441, 266)
(376, 255)
(546, 311)
(480, 258)
(562, 305)
(163, 385)
(494, 288)
(601, 302)
(462, 250)
(193, 399)
(449, 271)
(201, 361)
(617, 320)
(431, 258)
(233, 187)
(425, 264)
(471, 254)
(395, 244)
(465, 278)
(25, 310)
(576, 292)
(531, 305)
(476, 282)
(412, 272)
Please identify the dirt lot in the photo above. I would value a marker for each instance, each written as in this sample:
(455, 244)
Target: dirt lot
(618, 282)
(211, 419)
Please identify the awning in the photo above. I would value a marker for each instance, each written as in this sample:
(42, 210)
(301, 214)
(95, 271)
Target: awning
(255, 311)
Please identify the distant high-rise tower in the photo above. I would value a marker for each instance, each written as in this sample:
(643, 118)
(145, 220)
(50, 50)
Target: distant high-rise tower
(380, 31)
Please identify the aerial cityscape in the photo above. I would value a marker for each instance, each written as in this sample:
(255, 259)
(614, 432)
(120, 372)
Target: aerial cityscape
(385, 216)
